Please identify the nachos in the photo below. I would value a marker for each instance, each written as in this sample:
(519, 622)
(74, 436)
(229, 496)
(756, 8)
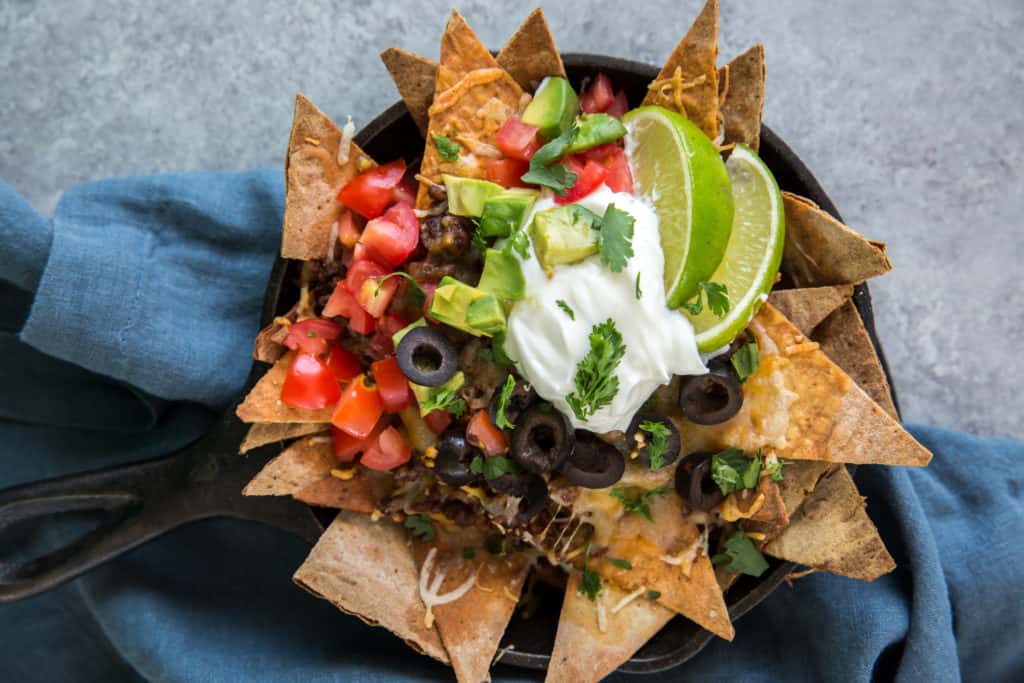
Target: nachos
(575, 339)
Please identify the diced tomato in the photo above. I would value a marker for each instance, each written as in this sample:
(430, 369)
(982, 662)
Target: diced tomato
(376, 295)
(309, 383)
(516, 139)
(358, 408)
(601, 153)
(438, 420)
(394, 235)
(313, 335)
(390, 451)
(344, 364)
(347, 447)
(619, 106)
(620, 178)
(588, 179)
(344, 304)
(392, 385)
(482, 433)
(370, 192)
(382, 344)
(428, 288)
(360, 271)
(598, 96)
(507, 172)
(405, 191)
(348, 229)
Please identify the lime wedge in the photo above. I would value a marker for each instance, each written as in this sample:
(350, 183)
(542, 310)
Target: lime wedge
(679, 169)
(754, 251)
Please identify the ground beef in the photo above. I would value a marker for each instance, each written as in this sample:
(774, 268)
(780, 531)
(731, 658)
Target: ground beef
(448, 243)
(483, 376)
(324, 277)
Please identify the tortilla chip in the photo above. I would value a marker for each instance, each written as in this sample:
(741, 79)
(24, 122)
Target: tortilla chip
(530, 54)
(583, 652)
(773, 511)
(845, 340)
(461, 53)
(833, 532)
(313, 176)
(742, 99)
(414, 77)
(263, 403)
(260, 434)
(807, 307)
(820, 250)
(475, 108)
(357, 494)
(801, 406)
(471, 627)
(688, 83)
(366, 568)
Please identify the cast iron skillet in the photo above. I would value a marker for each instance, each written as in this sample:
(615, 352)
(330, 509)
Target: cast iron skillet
(142, 501)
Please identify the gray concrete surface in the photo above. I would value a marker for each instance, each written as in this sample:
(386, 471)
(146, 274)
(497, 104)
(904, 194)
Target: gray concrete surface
(910, 113)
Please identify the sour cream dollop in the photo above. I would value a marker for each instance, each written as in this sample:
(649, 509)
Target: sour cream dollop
(547, 344)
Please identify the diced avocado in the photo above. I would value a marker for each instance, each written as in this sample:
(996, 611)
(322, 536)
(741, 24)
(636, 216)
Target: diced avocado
(564, 235)
(553, 107)
(398, 336)
(424, 394)
(504, 212)
(451, 300)
(502, 276)
(486, 315)
(466, 196)
(594, 130)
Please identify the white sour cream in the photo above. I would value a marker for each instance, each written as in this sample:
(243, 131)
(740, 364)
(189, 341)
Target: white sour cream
(546, 344)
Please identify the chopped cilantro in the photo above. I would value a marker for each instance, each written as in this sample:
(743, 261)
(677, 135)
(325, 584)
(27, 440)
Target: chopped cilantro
(558, 177)
(445, 399)
(496, 545)
(741, 555)
(518, 242)
(506, 393)
(745, 360)
(596, 382)
(717, 295)
(417, 297)
(642, 503)
(775, 469)
(493, 466)
(468, 553)
(653, 595)
(732, 470)
(565, 307)
(657, 445)
(616, 238)
(639, 292)
(478, 239)
(553, 150)
(447, 148)
(591, 583)
(311, 334)
(621, 564)
(421, 526)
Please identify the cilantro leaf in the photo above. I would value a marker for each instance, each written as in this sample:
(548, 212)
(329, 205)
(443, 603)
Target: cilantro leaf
(496, 545)
(616, 238)
(732, 470)
(741, 555)
(421, 526)
(518, 242)
(565, 307)
(653, 595)
(621, 564)
(553, 150)
(417, 297)
(498, 355)
(717, 295)
(775, 469)
(558, 177)
(445, 399)
(639, 293)
(591, 583)
(596, 383)
(745, 360)
(499, 413)
(447, 148)
(493, 466)
(642, 503)
(478, 239)
(657, 445)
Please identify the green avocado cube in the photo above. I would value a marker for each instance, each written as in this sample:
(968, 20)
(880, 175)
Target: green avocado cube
(594, 130)
(504, 212)
(564, 235)
(451, 301)
(466, 196)
(486, 315)
(553, 107)
(502, 276)
(425, 394)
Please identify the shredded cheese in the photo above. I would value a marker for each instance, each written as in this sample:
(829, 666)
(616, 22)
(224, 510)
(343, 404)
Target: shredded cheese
(320, 439)
(429, 590)
(332, 239)
(345, 146)
(312, 141)
(501, 653)
(345, 474)
(621, 604)
(602, 618)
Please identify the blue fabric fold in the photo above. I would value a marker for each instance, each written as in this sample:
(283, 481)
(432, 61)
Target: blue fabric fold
(136, 307)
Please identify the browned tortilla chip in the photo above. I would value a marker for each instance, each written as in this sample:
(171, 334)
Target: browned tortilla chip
(475, 108)
(269, 345)
(414, 77)
(844, 339)
(461, 53)
(773, 511)
(263, 403)
(688, 83)
(801, 406)
(530, 54)
(584, 651)
(807, 307)
(743, 101)
(313, 176)
(832, 531)
(471, 627)
(367, 569)
(820, 250)
(260, 434)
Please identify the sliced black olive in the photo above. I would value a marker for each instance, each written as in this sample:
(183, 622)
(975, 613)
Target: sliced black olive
(454, 455)
(694, 483)
(672, 443)
(593, 464)
(542, 440)
(535, 499)
(712, 398)
(523, 396)
(512, 484)
(427, 357)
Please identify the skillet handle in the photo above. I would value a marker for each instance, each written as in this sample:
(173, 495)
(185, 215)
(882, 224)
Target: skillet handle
(138, 503)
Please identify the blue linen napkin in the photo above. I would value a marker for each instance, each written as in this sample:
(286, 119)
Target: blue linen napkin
(128, 318)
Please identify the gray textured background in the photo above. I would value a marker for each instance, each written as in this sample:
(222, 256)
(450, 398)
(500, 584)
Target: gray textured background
(910, 113)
